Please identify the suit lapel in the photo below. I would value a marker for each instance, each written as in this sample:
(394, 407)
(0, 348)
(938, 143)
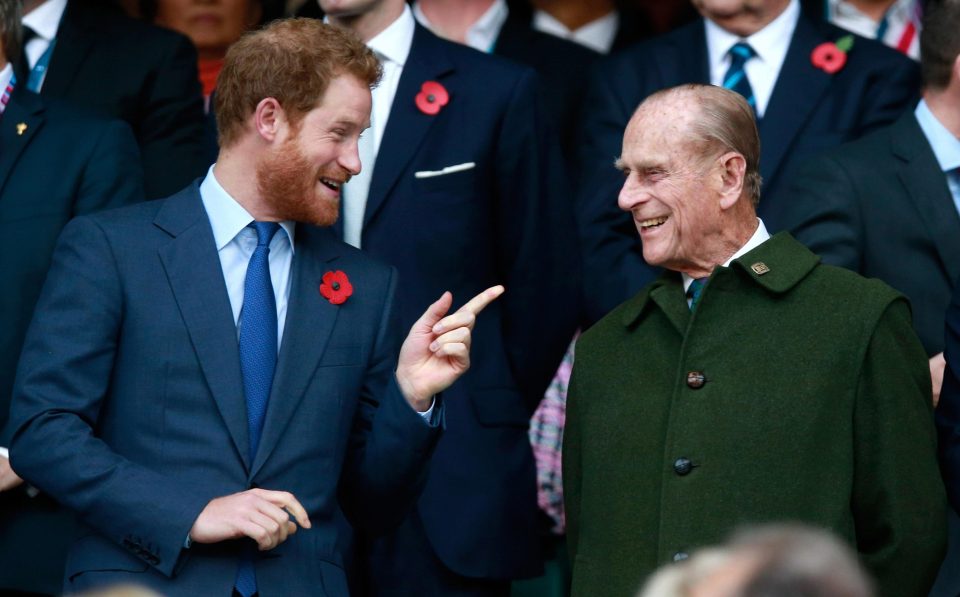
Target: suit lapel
(796, 95)
(927, 185)
(73, 45)
(407, 125)
(196, 277)
(310, 321)
(24, 109)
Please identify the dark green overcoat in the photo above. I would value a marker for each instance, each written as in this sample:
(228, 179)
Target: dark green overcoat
(797, 394)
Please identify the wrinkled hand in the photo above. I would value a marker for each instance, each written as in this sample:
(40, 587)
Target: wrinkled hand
(937, 365)
(437, 350)
(260, 514)
(8, 478)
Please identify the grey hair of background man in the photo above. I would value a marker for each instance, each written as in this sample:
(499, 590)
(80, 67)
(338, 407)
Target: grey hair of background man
(725, 123)
(939, 42)
(10, 31)
(773, 561)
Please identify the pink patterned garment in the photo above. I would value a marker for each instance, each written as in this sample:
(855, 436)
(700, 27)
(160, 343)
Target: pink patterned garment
(546, 434)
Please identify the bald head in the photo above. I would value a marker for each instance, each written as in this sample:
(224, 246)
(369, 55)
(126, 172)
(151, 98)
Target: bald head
(690, 156)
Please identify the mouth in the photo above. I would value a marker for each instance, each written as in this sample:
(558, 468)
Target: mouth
(652, 223)
(333, 185)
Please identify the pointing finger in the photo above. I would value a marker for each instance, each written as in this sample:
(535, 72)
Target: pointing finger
(480, 302)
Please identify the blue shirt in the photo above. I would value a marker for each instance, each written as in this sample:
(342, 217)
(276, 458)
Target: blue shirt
(946, 148)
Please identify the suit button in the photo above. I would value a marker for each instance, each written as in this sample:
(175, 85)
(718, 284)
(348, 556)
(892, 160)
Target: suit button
(682, 466)
(680, 556)
(695, 379)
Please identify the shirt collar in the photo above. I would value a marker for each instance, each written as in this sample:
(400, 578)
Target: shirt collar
(945, 146)
(394, 42)
(901, 10)
(482, 35)
(5, 75)
(760, 235)
(45, 19)
(770, 43)
(598, 34)
(227, 217)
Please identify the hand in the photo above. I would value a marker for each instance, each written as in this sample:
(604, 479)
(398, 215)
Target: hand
(259, 514)
(937, 365)
(8, 478)
(437, 350)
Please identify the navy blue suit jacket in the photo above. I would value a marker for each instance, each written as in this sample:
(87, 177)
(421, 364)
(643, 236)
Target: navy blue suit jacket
(62, 163)
(129, 405)
(506, 220)
(880, 206)
(809, 110)
(143, 74)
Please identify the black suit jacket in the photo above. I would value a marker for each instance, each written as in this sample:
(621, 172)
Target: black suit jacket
(560, 65)
(140, 73)
(880, 206)
(63, 164)
(809, 110)
(502, 220)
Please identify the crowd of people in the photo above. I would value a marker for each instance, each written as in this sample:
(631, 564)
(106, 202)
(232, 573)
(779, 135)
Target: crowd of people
(480, 297)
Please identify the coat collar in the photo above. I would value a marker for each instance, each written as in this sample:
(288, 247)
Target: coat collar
(777, 265)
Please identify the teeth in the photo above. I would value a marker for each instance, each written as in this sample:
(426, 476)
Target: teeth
(331, 183)
(653, 222)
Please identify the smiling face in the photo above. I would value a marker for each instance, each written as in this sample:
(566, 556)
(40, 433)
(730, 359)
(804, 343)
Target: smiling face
(669, 189)
(300, 177)
(212, 25)
(741, 17)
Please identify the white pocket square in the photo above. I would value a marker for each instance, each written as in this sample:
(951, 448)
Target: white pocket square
(447, 170)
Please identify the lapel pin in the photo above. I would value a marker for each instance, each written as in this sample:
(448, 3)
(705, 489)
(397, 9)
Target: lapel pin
(21, 128)
(760, 268)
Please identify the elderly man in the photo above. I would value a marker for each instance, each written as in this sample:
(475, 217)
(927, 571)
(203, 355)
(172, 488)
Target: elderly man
(208, 373)
(767, 50)
(748, 383)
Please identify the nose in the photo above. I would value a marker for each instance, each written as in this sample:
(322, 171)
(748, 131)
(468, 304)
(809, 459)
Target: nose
(350, 158)
(631, 194)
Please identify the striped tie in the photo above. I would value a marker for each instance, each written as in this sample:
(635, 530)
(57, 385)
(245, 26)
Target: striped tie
(695, 290)
(736, 77)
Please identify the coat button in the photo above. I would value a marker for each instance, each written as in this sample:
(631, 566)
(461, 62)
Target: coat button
(695, 379)
(680, 556)
(682, 466)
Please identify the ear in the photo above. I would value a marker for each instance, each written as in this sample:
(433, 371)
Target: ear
(269, 119)
(732, 170)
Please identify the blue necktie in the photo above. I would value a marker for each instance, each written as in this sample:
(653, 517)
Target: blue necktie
(736, 77)
(695, 290)
(258, 358)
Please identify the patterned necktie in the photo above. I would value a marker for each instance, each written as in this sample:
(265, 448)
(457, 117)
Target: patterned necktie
(736, 77)
(695, 290)
(258, 359)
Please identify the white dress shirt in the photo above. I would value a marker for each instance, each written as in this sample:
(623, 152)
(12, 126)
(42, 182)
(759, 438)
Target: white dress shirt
(5, 75)
(770, 44)
(899, 16)
(759, 237)
(45, 21)
(598, 34)
(482, 35)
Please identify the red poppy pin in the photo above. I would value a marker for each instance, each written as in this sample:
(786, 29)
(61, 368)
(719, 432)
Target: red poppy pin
(432, 97)
(830, 56)
(336, 287)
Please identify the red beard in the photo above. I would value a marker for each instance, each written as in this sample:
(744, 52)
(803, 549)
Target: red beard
(285, 182)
